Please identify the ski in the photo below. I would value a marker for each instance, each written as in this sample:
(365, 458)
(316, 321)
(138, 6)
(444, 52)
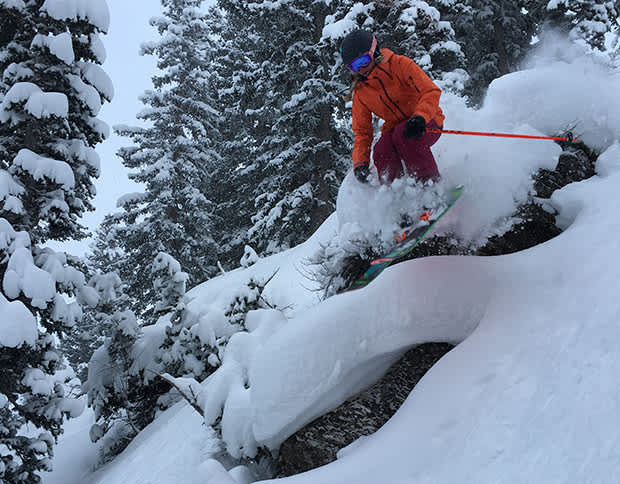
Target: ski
(409, 242)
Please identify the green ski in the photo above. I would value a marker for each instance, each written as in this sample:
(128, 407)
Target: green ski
(405, 246)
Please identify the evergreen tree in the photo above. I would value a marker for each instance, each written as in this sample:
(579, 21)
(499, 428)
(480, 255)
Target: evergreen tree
(96, 325)
(585, 21)
(495, 36)
(168, 281)
(195, 343)
(174, 158)
(110, 385)
(124, 393)
(232, 80)
(51, 91)
(296, 154)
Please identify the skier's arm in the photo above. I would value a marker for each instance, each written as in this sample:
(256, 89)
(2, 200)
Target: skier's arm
(362, 128)
(429, 93)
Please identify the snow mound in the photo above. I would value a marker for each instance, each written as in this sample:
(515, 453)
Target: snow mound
(332, 350)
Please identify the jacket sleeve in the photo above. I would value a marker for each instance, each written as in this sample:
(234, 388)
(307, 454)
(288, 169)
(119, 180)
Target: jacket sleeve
(362, 128)
(413, 75)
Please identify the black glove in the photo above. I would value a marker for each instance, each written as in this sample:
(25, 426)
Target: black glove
(415, 127)
(361, 173)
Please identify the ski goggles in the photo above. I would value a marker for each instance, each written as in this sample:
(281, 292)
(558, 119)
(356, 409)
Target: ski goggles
(362, 61)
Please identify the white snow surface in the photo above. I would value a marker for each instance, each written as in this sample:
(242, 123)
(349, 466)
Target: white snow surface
(530, 392)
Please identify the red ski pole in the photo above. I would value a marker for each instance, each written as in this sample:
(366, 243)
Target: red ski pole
(568, 138)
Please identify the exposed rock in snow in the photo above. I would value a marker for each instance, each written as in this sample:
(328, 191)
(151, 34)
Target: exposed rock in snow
(318, 442)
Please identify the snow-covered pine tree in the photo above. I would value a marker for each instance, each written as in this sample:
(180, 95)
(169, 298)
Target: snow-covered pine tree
(56, 88)
(96, 325)
(111, 386)
(195, 343)
(123, 393)
(300, 155)
(231, 78)
(416, 29)
(174, 158)
(495, 36)
(585, 21)
(52, 89)
(169, 282)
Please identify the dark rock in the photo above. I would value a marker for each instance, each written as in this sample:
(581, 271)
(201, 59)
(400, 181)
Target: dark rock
(576, 163)
(536, 223)
(536, 226)
(318, 442)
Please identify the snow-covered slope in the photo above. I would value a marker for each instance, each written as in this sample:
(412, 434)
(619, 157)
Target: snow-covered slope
(530, 393)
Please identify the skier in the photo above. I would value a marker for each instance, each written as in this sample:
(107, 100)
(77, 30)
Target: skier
(396, 89)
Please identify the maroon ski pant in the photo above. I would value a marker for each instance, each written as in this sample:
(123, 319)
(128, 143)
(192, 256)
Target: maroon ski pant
(393, 150)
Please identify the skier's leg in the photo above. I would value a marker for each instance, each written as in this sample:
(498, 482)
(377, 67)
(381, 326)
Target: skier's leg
(386, 159)
(416, 153)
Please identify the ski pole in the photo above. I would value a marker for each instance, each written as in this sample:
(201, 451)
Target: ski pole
(568, 137)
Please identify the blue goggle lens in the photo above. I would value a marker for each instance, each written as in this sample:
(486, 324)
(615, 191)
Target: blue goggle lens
(359, 63)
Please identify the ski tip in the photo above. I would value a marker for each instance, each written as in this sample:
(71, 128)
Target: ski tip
(456, 192)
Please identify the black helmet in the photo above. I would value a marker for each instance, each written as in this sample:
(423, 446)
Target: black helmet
(355, 44)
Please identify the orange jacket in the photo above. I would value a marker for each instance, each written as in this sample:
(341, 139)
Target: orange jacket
(395, 90)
